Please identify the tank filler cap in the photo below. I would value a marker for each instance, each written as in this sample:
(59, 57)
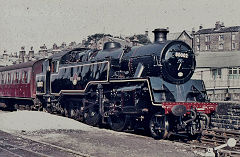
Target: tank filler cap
(111, 45)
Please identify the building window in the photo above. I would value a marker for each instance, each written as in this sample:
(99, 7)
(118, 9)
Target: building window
(216, 73)
(234, 73)
(233, 46)
(198, 47)
(233, 36)
(197, 39)
(207, 38)
(220, 47)
(221, 38)
(207, 47)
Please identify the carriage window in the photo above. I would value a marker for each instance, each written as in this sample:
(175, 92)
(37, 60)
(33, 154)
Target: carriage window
(17, 77)
(24, 77)
(9, 78)
(28, 76)
(4, 78)
(12, 77)
(0, 78)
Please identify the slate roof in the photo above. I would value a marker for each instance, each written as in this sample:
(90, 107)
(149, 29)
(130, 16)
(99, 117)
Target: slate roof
(175, 36)
(18, 66)
(221, 30)
(218, 59)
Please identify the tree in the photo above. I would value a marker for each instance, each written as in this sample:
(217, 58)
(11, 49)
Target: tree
(96, 37)
(143, 39)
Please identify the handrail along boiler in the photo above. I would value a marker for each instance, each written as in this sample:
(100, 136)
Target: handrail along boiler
(146, 87)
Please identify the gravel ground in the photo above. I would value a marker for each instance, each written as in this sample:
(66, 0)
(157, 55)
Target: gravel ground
(71, 134)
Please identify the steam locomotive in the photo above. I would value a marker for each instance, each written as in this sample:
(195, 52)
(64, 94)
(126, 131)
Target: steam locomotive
(126, 88)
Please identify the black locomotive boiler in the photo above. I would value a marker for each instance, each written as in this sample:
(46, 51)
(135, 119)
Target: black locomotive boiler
(146, 87)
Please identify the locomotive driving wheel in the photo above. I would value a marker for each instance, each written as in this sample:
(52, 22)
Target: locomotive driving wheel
(92, 116)
(118, 122)
(159, 126)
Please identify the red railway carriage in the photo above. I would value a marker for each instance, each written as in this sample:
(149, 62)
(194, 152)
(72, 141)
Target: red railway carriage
(17, 82)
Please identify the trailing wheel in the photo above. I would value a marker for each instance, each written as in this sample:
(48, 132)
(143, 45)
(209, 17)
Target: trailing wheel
(159, 126)
(92, 116)
(118, 122)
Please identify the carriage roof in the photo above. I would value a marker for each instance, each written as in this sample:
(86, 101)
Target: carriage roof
(19, 66)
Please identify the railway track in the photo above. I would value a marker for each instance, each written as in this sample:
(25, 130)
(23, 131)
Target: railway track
(212, 138)
(22, 146)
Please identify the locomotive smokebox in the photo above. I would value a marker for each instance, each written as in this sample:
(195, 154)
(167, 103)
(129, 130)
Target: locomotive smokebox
(160, 34)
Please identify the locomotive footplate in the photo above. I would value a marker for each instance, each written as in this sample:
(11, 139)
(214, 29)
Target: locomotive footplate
(204, 107)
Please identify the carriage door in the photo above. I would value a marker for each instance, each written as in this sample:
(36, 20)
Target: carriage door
(48, 76)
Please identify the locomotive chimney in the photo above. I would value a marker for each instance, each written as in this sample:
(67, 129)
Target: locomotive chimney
(160, 34)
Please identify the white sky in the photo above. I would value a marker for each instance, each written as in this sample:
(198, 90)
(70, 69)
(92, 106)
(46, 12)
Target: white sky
(35, 22)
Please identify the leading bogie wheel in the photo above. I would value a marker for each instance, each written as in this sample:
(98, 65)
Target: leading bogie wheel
(159, 126)
(118, 122)
(92, 116)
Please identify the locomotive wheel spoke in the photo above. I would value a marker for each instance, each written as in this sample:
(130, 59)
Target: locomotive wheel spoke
(158, 126)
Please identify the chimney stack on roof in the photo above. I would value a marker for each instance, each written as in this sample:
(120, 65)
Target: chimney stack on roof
(22, 54)
(5, 55)
(219, 25)
(55, 47)
(146, 33)
(193, 31)
(31, 53)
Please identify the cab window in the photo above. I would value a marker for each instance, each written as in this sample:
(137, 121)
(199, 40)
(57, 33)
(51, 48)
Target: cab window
(55, 66)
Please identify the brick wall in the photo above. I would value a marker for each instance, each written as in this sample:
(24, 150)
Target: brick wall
(230, 119)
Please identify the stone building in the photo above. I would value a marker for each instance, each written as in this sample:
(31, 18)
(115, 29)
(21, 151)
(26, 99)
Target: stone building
(6, 59)
(219, 38)
(221, 74)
